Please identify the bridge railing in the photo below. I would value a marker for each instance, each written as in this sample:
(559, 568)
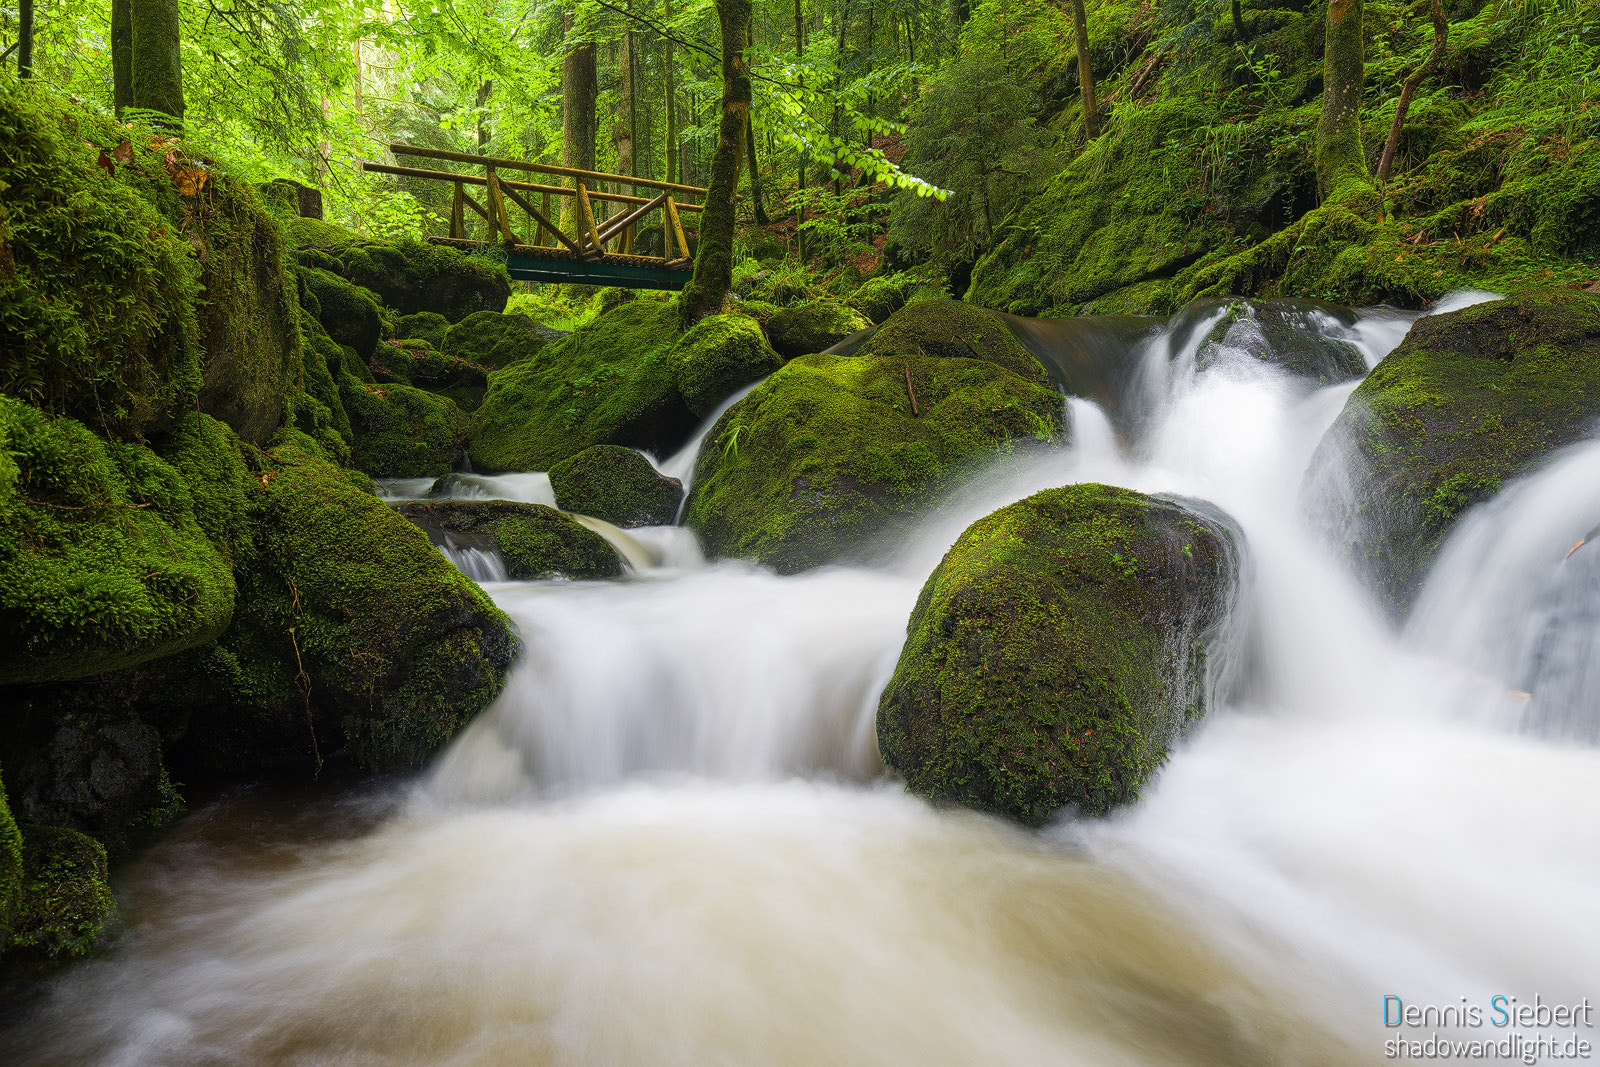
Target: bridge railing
(597, 236)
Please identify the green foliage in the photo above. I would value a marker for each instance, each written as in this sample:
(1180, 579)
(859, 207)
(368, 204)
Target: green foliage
(10, 868)
(617, 485)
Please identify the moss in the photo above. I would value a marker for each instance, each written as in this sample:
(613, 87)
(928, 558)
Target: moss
(429, 326)
(399, 649)
(878, 298)
(493, 340)
(1057, 652)
(719, 355)
(10, 868)
(618, 485)
(97, 286)
(948, 329)
(400, 431)
(66, 903)
(416, 362)
(412, 277)
(105, 560)
(1468, 400)
(827, 455)
(319, 411)
(813, 327)
(612, 381)
(350, 314)
(534, 541)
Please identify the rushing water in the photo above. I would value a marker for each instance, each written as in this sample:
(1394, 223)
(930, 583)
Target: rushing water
(669, 842)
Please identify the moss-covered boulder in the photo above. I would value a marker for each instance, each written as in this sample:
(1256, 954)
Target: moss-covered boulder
(833, 452)
(1058, 651)
(879, 297)
(813, 327)
(400, 431)
(532, 540)
(493, 340)
(104, 555)
(612, 381)
(429, 326)
(719, 355)
(411, 277)
(1468, 400)
(353, 634)
(1292, 334)
(65, 905)
(351, 315)
(949, 329)
(10, 868)
(618, 485)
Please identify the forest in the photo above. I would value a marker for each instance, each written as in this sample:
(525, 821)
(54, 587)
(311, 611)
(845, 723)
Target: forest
(606, 531)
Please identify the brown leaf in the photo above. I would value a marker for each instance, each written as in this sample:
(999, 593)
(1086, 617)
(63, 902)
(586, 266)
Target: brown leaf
(123, 153)
(105, 161)
(190, 180)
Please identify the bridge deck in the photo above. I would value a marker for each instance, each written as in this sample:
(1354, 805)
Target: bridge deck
(534, 263)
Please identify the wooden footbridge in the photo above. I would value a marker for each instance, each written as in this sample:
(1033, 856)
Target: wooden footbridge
(600, 252)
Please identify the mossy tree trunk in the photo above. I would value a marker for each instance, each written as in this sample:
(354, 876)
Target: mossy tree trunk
(578, 91)
(622, 131)
(1441, 31)
(25, 39)
(713, 261)
(121, 54)
(668, 74)
(156, 67)
(1341, 164)
(1080, 31)
(750, 143)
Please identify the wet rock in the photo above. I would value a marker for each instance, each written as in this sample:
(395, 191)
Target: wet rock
(718, 356)
(949, 329)
(534, 541)
(64, 904)
(813, 327)
(1292, 334)
(1058, 651)
(618, 485)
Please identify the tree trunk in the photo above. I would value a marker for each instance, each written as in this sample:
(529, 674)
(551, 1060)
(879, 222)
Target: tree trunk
(1238, 21)
(1341, 163)
(157, 66)
(1080, 31)
(1441, 30)
(672, 107)
(800, 177)
(622, 128)
(578, 91)
(713, 261)
(485, 90)
(25, 39)
(121, 54)
(750, 144)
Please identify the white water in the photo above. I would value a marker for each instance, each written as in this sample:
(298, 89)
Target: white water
(666, 843)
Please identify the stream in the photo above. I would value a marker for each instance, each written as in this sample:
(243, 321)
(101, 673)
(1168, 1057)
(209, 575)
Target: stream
(670, 841)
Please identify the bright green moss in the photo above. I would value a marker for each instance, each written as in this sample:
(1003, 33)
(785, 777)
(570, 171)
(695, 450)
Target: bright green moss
(10, 868)
(429, 326)
(618, 485)
(719, 355)
(534, 541)
(411, 277)
(827, 455)
(104, 558)
(65, 905)
(493, 340)
(948, 329)
(400, 431)
(813, 327)
(879, 297)
(1057, 652)
(1468, 401)
(612, 381)
(319, 411)
(351, 315)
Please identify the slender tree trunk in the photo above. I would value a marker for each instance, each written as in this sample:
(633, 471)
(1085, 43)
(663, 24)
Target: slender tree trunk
(1237, 12)
(838, 115)
(1441, 31)
(673, 170)
(713, 261)
(750, 143)
(800, 175)
(622, 129)
(1091, 109)
(485, 90)
(121, 54)
(157, 66)
(1341, 163)
(578, 92)
(25, 38)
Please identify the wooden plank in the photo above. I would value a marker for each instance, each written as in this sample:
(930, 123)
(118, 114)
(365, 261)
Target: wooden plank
(474, 205)
(543, 168)
(541, 219)
(501, 220)
(677, 227)
(588, 220)
(507, 183)
(616, 225)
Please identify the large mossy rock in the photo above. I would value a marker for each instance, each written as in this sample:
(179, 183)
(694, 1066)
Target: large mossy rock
(827, 455)
(352, 315)
(617, 485)
(949, 329)
(10, 867)
(494, 340)
(400, 431)
(105, 559)
(718, 356)
(813, 327)
(64, 905)
(411, 277)
(612, 381)
(429, 326)
(1468, 400)
(878, 298)
(532, 540)
(398, 650)
(1058, 651)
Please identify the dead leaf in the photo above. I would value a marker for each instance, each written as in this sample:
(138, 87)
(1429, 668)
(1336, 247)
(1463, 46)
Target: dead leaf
(190, 180)
(123, 153)
(105, 161)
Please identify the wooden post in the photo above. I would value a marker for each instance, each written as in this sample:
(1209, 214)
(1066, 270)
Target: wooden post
(458, 219)
(545, 211)
(498, 218)
(541, 218)
(587, 215)
(677, 228)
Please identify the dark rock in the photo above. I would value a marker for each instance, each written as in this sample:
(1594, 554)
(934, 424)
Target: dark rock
(534, 541)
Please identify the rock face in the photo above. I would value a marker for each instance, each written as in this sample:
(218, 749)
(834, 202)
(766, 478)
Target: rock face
(412, 277)
(1468, 400)
(718, 356)
(1058, 651)
(833, 453)
(400, 431)
(813, 327)
(533, 540)
(618, 485)
(613, 381)
(65, 902)
(1285, 333)
(351, 315)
